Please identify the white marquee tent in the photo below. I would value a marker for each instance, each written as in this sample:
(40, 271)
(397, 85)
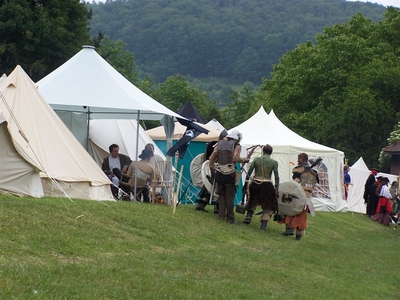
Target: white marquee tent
(46, 144)
(359, 173)
(87, 87)
(87, 84)
(263, 128)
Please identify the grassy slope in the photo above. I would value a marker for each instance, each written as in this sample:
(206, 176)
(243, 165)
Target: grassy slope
(56, 249)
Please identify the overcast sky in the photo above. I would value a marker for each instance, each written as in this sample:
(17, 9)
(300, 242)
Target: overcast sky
(395, 3)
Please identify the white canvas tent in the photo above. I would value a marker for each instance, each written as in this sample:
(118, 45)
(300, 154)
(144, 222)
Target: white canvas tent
(87, 84)
(215, 124)
(263, 128)
(359, 173)
(87, 87)
(43, 141)
(17, 176)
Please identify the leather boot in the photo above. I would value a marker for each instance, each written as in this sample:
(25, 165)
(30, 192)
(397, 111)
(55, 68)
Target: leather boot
(263, 225)
(247, 220)
(288, 231)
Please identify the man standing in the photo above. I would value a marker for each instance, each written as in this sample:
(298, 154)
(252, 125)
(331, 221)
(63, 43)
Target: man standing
(370, 181)
(145, 174)
(261, 189)
(114, 165)
(223, 163)
(304, 174)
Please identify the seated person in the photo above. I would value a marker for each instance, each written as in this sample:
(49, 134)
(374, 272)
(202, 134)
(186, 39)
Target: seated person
(145, 173)
(114, 164)
(156, 161)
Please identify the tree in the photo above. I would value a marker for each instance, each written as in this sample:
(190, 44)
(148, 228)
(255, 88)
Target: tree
(41, 35)
(122, 60)
(342, 91)
(176, 91)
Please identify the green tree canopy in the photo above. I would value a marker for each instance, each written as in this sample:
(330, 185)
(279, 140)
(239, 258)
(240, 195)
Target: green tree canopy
(41, 35)
(344, 90)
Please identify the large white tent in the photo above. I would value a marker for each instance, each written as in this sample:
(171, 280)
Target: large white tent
(87, 84)
(359, 173)
(87, 87)
(45, 143)
(263, 128)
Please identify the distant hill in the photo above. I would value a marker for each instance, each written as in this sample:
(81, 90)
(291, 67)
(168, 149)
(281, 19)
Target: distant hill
(238, 40)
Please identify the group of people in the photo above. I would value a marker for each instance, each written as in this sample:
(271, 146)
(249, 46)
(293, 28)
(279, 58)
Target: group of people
(225, 164)
(121, 170)
(381, 200)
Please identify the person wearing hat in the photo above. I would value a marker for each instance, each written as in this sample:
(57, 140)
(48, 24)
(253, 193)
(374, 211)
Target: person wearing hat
(223, 164)
(373, 197)
(145, 174)
(384, 206)
(370, 181)
(261, 189)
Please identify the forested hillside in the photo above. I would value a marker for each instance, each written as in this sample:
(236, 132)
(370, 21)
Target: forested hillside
(237, 40)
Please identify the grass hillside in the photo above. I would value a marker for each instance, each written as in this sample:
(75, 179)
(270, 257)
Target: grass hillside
(58, 249)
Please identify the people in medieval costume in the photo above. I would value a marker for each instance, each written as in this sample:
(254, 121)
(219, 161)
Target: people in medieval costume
(223, 163)
(114, 165)
(346, 180)
(373, 197)
(261, 189)
(384, 206)
(144, 172)
(304, 174)
(370, 181)
(204, 194)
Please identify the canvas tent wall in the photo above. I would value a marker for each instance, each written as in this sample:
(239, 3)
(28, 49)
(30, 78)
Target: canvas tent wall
(105, 132)
(263, 128)
(359, 173)
(42, 139)
(215, 124)
(17, 176)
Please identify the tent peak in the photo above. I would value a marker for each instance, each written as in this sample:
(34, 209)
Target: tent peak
(88, 47)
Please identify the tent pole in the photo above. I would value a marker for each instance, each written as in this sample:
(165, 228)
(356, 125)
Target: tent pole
(136, 158)
(87, 131)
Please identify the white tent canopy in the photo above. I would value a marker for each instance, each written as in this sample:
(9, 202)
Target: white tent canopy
(88, 83)
(359, 173)
(263, 128)
(43, 141)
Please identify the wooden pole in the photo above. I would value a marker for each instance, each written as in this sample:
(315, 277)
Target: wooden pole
(177, 190)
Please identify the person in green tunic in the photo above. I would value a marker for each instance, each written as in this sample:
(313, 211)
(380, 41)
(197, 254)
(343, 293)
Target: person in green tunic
(261, 189)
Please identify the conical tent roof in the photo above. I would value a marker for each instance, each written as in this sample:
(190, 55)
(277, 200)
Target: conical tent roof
(44, 141)
(158, 133)
(88, 83)
(190, 112)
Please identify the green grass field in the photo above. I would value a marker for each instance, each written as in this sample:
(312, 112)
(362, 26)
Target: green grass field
(57, 249)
